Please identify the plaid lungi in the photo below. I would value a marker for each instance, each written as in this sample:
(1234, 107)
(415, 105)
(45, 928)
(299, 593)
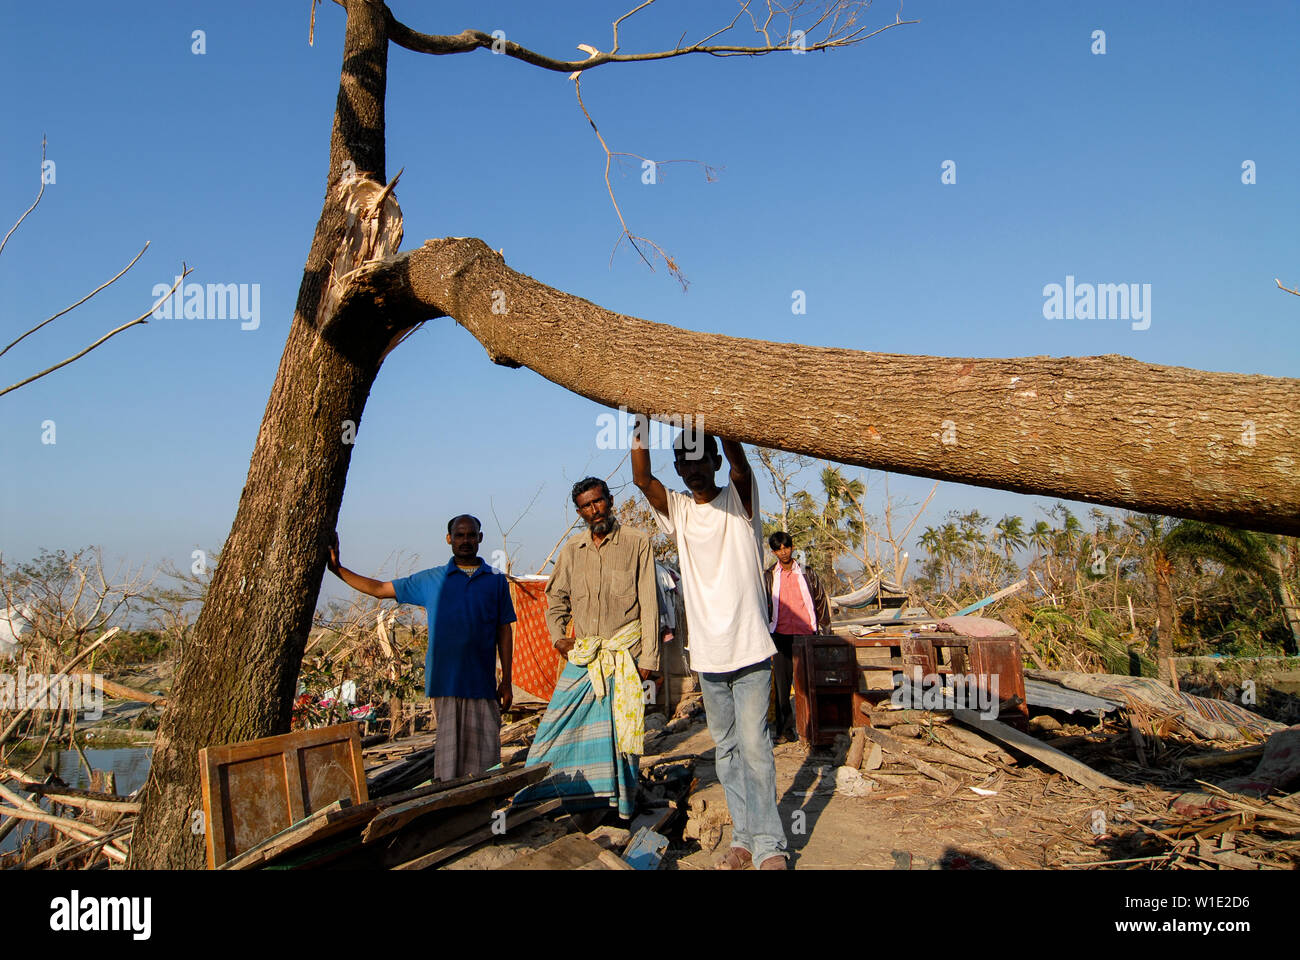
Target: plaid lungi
(469, 736)
(576, 737)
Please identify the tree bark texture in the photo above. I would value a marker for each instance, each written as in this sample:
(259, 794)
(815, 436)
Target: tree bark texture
(237, 677)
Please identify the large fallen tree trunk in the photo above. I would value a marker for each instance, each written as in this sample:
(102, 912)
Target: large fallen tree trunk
(1109, 430)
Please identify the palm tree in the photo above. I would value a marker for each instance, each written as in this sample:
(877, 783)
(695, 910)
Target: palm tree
(929, 542)
(1067, 537)
(1152, 532)
(1040, 537)
(1256, 554)
(1166, 540)
(956, 547)
(1010, 534)
(841, 515)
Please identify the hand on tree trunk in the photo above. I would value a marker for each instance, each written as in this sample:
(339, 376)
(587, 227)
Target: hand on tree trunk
(332, 561)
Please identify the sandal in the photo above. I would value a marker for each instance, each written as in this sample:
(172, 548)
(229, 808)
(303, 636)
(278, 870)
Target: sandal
(736, 858)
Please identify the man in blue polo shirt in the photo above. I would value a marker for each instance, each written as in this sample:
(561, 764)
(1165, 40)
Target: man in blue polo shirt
(469, 610)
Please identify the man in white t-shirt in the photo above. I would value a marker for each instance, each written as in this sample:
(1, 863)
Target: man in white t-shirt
(719, 544)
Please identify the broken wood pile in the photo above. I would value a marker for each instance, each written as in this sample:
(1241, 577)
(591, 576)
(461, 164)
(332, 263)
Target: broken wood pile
(405, 822)
(89, 829)
(928, 743)
(1081, 818)
(410, 829)
(400, 764)
(1238, 835)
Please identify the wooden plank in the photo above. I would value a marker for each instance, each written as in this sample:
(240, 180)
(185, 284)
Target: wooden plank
(267, 746)
(514, 818)
(957, 737)
(214, 829)
(1062, 762)
(891, 718)
(517, 730)
(857, 746)
(397, 816)
(423, 836)
(940, 754)
(646, 849)
(294, 787)
(607, 860)
(326, 823)
(571, 852)
(403, 774)
(655, 819)
(1005, 592)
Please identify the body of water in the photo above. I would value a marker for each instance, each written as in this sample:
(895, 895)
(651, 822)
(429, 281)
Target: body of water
(130, 765)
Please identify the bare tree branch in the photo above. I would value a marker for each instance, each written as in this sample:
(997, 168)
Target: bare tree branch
(565, 536)
(143, 318)
(837, 17)
(505, 534)
(626, 233)
(74, 306)
(808, 26)
(39, 193)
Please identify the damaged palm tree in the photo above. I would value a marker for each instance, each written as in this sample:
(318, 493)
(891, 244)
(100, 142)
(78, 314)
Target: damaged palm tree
(1105, 429)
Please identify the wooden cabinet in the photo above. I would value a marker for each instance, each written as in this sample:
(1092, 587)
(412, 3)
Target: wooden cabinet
(830, 691)
(825, 681)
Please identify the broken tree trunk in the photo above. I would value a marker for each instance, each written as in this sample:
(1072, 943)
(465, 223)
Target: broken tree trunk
(236, 680)
(1108, 430)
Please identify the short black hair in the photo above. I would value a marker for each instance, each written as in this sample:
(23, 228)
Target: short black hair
(590, 483)
(478, 526)
(780, 539)
(687, 444)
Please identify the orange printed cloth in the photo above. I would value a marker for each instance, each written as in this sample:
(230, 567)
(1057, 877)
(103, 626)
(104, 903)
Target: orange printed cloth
(536, 662)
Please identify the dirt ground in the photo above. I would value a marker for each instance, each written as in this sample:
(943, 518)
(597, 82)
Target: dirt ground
(907, 822)
(1035, 818)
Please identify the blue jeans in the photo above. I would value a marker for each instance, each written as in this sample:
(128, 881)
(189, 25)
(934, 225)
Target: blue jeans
(735, 705)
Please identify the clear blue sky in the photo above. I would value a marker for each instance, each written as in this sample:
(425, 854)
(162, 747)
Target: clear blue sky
(1119, 168)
